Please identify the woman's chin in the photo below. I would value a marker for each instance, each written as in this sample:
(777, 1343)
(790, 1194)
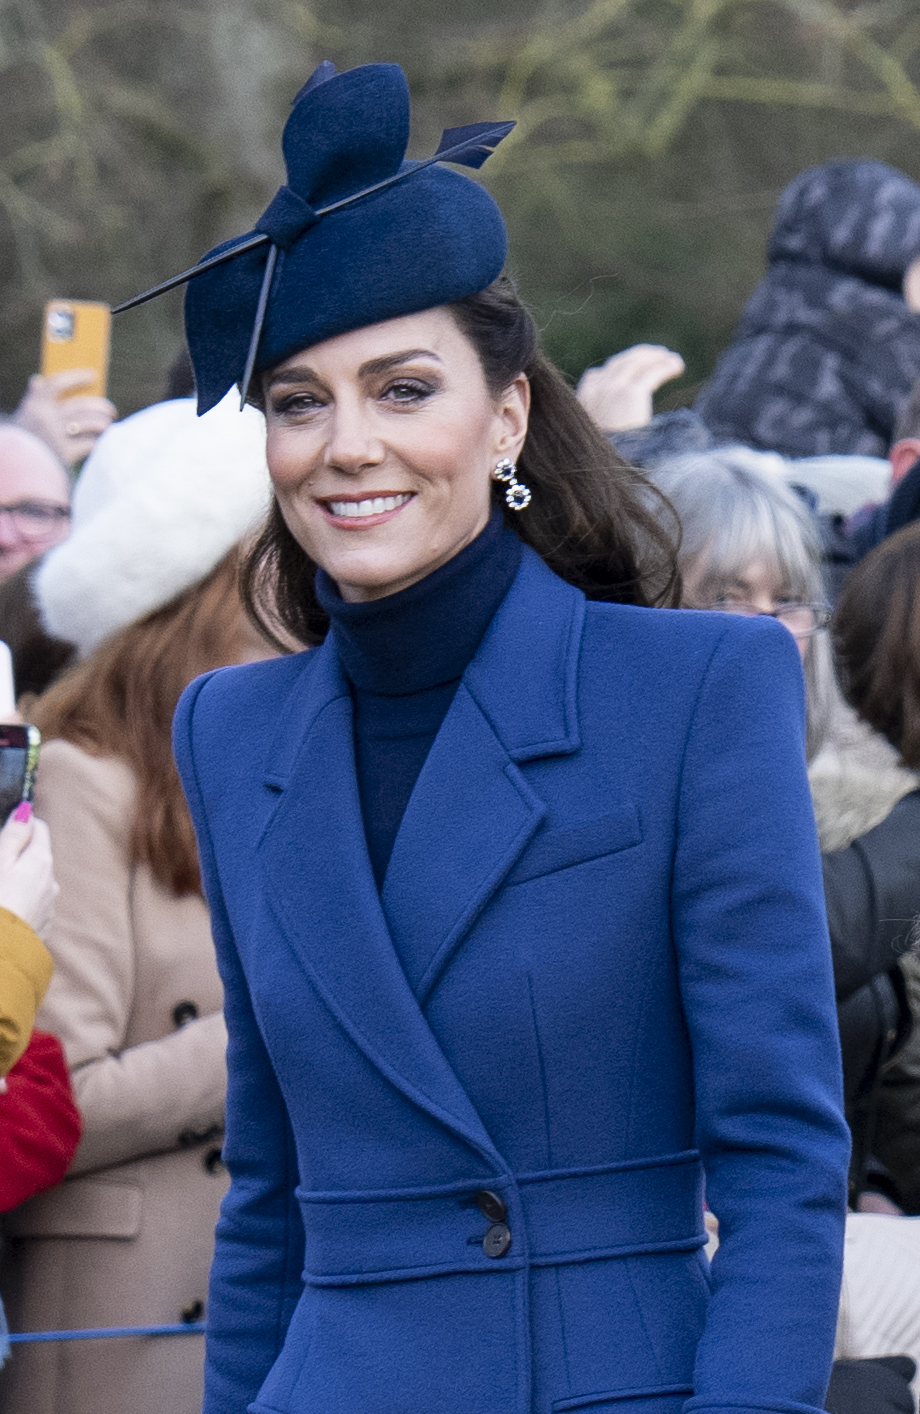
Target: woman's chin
(373, 580)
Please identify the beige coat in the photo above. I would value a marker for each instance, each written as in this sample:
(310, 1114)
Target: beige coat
(126, 1239)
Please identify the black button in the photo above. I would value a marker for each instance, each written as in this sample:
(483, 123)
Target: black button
(213, 1162)
(192, 1313)
(497, 1240)
(191, 1138)
(183, 1013)
(491, 1206)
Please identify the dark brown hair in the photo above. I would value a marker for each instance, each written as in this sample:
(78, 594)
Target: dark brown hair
(121, 700)
(591, 517)
(876, 633)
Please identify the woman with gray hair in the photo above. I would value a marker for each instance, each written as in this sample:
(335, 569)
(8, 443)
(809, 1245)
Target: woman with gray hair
(749, 545)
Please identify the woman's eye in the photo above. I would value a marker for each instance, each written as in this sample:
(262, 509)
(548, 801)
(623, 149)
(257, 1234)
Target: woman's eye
(407, 390)
(295, 403)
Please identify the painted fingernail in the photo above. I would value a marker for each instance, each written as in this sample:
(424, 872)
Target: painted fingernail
(23, 812)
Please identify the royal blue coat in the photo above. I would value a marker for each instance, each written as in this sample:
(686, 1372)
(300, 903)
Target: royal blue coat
(598, 967)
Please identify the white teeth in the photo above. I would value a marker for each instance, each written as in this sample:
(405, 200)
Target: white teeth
(373, 506)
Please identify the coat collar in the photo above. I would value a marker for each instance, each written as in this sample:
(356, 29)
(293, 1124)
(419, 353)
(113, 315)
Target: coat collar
(472, 813)
(376, 959)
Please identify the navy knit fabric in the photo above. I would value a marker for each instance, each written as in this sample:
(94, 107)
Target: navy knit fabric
(404, 656)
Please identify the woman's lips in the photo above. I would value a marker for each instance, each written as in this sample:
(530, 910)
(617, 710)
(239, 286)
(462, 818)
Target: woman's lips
(358, 513)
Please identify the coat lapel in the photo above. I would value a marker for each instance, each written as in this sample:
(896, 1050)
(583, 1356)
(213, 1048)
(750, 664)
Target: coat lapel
(321, 888)
(472, 813)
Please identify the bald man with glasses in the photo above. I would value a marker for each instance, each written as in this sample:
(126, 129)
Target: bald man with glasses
(34, 499)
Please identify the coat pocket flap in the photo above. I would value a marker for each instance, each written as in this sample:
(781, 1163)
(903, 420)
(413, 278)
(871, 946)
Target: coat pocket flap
(80, 1207)
(611, 1397)
(560, 849)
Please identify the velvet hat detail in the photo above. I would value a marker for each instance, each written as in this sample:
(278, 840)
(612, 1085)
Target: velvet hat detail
(356, 235)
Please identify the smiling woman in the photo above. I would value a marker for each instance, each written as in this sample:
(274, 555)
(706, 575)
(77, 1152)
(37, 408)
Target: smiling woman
(444, 418)
(517, 901)
(381, 446)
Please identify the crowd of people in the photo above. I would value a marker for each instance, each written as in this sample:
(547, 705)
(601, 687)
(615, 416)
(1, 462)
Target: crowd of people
(791, 490)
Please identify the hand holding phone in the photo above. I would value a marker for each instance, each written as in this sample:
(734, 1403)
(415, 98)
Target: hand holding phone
(27, 884)
(56, 409)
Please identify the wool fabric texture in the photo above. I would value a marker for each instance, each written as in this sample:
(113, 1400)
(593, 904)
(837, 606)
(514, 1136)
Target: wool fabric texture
(25, 971)
(404, 655)
(427, 240)
(599, 964)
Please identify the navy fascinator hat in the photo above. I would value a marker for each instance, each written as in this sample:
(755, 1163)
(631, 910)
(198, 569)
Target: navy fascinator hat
(357, 234)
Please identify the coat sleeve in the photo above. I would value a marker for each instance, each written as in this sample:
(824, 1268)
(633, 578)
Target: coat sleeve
(873, 896)
(39, 1123)
(256, 1274)
(756, 981)
(134, 1100)
(25, 971)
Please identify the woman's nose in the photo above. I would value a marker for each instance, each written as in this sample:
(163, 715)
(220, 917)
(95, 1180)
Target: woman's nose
(763, 602)
(353, 441)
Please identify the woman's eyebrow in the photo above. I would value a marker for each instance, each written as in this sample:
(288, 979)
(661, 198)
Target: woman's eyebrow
(289, 377)
(388, 361)
(302, 373)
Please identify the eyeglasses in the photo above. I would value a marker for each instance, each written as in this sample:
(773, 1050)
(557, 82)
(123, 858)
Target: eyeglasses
(802, 620)
(33, 519)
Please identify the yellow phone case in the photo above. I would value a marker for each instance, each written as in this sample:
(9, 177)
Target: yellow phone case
(75, 334)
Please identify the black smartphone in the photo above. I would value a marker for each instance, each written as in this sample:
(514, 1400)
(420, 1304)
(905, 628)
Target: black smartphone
(18, 764)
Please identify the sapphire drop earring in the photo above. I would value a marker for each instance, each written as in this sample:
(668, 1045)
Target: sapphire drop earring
(517, 495)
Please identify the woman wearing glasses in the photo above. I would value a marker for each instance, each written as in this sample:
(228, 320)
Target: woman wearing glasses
(749, 547)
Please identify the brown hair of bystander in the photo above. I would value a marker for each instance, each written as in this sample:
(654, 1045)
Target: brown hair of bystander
(876, 634)
(120, 702)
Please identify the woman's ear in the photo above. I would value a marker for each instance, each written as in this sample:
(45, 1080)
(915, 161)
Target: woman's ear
(513, 409)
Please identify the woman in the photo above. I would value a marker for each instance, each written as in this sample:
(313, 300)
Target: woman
(749, 547)
(126, 1239)
(874, 883)
(494, 870)
(39, 1124)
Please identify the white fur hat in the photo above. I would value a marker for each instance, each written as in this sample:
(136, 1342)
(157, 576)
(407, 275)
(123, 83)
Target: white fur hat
(160, 501)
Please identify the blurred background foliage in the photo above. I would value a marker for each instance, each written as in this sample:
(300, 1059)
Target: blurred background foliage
(653, 139)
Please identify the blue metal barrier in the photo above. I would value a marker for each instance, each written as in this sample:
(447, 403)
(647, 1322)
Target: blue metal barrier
(109, 1333)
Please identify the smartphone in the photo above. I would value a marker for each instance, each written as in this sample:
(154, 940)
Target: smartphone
(76, 334)
(18, 764)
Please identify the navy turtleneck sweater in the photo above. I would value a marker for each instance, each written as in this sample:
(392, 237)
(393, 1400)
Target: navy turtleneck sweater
(404, 656)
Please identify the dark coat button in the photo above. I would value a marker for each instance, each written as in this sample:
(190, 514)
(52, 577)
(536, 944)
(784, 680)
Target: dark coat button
(192, 1313)
(497, 1240)
(491, 1206)
(183, 1013)
(191, 1138)
(213, 1162)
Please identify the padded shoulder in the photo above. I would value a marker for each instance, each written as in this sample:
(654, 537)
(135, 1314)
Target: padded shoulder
(224, 714)
(682, 638)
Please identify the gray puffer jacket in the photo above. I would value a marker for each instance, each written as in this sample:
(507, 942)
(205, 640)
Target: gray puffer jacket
(827, 351)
